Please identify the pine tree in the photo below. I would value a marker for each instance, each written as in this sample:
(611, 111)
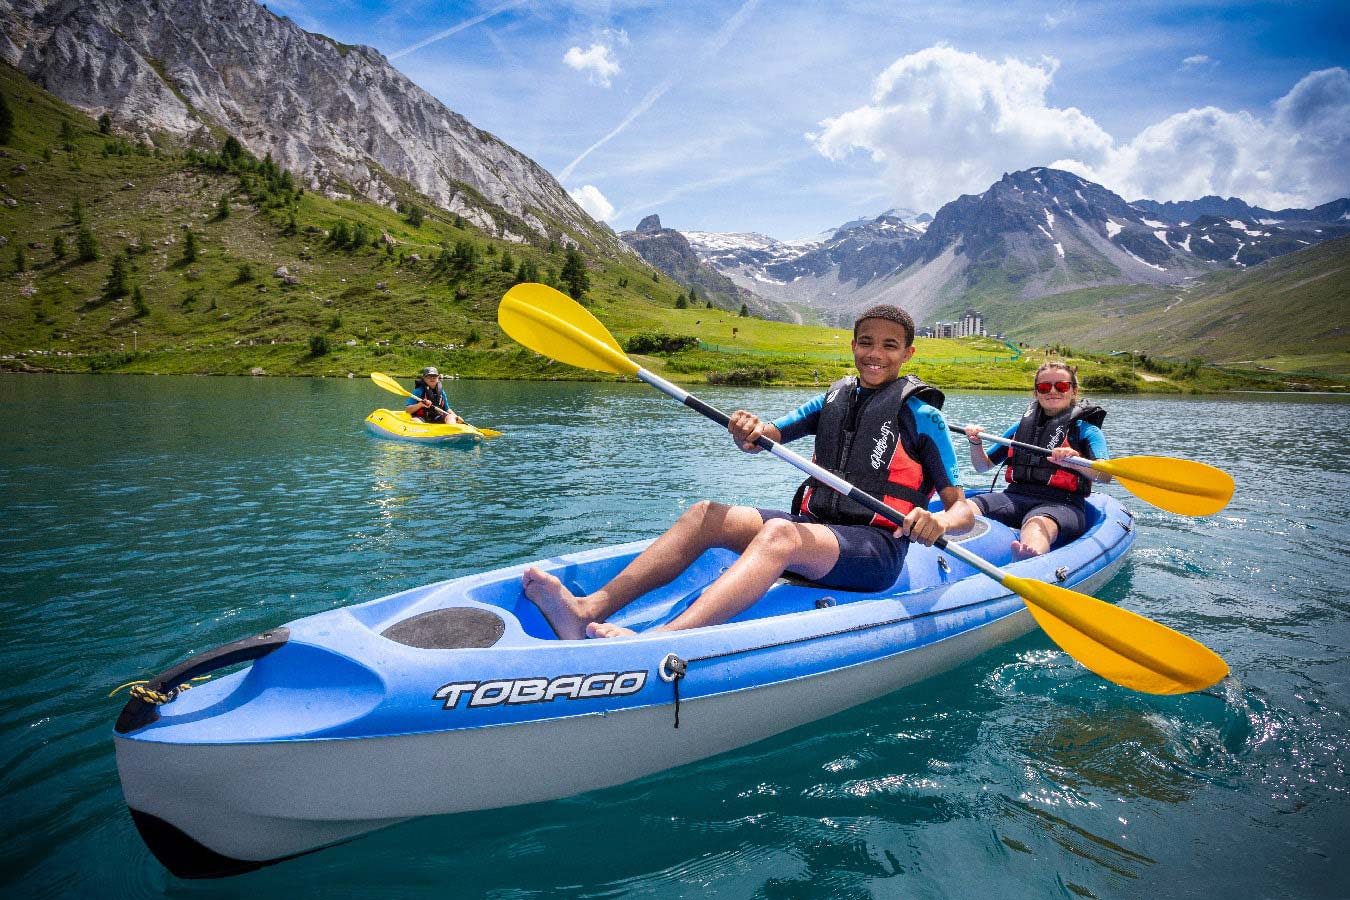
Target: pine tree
(86, 247)
(465, 256)
(507, 263)
(59, 248)
(415, 215)
(6, 121)
(189, 247)
(67, 135)
(745, 311)
(20, 261)
(223, 207)
(138, 302)
(77, 210)
(105, 124)
(574, 274)
(117, 284)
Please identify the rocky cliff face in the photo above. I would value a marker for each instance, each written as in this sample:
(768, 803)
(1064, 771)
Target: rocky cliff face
(340, 116)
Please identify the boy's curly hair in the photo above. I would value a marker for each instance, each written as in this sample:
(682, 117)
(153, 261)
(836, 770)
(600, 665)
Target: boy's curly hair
(891, 314)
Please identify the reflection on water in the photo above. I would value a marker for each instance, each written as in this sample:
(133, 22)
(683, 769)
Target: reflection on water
(181, 513)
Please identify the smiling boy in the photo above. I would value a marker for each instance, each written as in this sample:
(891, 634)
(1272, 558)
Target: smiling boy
(877, 430)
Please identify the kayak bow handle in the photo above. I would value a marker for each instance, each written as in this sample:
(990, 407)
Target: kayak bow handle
(143, 707)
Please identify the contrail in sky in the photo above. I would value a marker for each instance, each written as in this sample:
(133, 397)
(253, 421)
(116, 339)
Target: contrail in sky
(458, 28)
(718, 41)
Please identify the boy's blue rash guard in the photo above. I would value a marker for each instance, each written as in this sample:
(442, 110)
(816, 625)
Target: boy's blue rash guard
(1087, 433)
(928, 420)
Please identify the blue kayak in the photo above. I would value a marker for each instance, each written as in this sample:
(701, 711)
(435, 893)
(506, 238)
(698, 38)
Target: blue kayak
(457, 696)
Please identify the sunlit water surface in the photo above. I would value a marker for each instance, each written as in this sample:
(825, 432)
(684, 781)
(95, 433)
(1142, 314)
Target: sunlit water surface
(148, 518)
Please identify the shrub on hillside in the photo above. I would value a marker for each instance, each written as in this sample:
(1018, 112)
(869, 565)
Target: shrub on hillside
(660, 342)
(318, 345)
(1111, 382)
(745, 376)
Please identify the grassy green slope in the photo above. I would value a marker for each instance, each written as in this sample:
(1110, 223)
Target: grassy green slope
(1288, 314)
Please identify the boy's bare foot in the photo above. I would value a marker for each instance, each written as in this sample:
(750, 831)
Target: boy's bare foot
(559, 606)
(606, 630)
(1024, 551)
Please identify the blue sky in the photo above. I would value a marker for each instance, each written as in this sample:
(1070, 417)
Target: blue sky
(789, 118)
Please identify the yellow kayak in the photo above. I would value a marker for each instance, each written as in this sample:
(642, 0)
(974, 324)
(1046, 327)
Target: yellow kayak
(399, 426)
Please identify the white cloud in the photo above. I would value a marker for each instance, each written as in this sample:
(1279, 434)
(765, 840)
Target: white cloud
(589, 198)
(1198, 59)
(597, 62)
(1066, 12)
(942, 122)
(1299, 157)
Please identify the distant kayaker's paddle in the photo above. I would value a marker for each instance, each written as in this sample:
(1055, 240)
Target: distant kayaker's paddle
(1118, 645)
(1176, 485)
(394, 387)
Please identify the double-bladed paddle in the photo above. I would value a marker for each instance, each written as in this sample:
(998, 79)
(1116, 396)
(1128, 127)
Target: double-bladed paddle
(394, 387)
(1121, 646)
(1176, 485)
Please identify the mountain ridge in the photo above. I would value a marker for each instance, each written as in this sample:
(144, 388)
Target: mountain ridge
(1034, 233)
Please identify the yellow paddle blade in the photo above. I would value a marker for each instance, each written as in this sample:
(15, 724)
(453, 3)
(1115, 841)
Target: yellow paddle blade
(486, 432)
(389, 384)
(1177, 485)
(1121, 646)
(553, 324)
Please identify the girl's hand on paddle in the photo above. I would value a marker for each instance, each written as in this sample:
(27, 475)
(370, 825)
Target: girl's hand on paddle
(922, 526)
(973, 433)
(746, 428)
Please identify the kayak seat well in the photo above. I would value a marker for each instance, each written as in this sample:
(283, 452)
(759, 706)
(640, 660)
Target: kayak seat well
(452, 628)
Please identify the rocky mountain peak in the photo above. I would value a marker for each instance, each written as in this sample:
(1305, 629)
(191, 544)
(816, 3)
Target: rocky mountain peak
(650, 224)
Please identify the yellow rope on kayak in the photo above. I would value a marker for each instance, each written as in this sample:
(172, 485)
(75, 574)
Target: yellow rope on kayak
(156, 697)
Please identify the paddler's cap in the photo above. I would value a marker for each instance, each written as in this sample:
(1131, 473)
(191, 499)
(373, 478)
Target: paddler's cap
(431, 370)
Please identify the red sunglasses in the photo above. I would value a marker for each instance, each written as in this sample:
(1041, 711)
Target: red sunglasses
(1043, 387)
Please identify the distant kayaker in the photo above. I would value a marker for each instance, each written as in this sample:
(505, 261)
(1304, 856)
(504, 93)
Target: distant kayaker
(1044, 497)
(882, 432)
(428, 400)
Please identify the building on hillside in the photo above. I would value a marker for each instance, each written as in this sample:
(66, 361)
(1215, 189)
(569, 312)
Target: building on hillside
(970, 325)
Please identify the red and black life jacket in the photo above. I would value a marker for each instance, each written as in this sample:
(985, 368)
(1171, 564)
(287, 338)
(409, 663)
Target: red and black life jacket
(436, 397)
(1050, 432)
(872, 442)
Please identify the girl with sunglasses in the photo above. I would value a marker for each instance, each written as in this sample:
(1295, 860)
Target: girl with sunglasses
(1044, 498)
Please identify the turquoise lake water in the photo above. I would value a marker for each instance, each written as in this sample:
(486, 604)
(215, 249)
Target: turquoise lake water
(145, 519)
